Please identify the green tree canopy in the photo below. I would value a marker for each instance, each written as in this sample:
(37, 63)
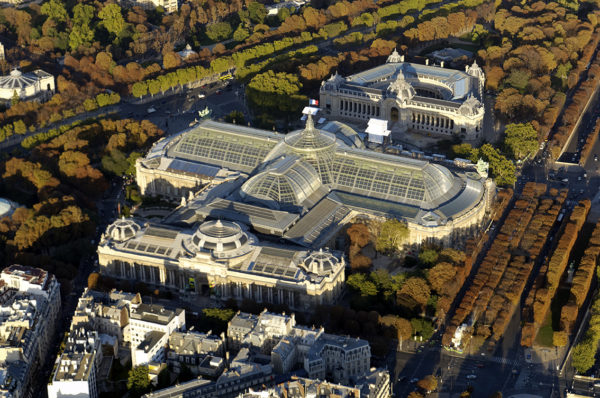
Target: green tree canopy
(112, 18)
(393, 233)
(428, 257)
(257, 12)
(55, 9)
(138, 382)
(584, 354)
(279, 92)
(241, 33)
(218, 31)
(360, 282)
(521, 140)
(82, 14)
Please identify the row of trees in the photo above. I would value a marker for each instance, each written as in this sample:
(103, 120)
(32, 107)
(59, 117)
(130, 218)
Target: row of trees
(584, 353)
(574, 110)
(581, 283)
(590, 141)
(540, 296)
(496, 276)
(507, 294)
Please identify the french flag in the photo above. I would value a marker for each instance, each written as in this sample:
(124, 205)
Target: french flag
(313, 102)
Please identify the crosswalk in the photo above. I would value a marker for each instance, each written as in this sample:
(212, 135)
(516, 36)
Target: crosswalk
(501, 360)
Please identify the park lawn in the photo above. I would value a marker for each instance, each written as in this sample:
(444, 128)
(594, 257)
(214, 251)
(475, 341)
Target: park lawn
(544, 336)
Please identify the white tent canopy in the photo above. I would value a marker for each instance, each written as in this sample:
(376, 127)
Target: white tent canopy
(377, 129)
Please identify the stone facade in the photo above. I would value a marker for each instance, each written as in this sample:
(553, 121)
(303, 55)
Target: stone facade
(411, 97)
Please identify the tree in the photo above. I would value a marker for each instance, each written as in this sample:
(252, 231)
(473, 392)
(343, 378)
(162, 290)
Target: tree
(360, 283)
(401, 327)
(236, 117)
(560, 339)
(115, 162)
(415, 394)
(393, 233)
(422, 327)
(93, 281)
(359, 234)
(584, 354)
(428, 383)
(440, 276)
(417, 289)
(240, 34)
(257, 12)
(138, 382)
(15, 98)
(139, 89)
(521, 140)
(218, 31)
(497, 394)
(112, 18)
(81, 35)
(54, 9)
(171, 60)
(428, 257)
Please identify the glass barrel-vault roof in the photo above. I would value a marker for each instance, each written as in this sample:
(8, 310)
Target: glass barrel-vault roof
(241, 152)
(427, 184)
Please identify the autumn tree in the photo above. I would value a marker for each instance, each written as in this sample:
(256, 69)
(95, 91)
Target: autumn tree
(440, 276)
(560, 339)
(93, 281)
(416, 289)
(428, 383)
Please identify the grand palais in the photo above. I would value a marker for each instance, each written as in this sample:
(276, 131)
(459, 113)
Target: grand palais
(412, 97)
(260, 210)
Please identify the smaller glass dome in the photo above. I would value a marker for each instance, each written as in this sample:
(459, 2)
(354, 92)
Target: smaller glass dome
(320, 263)
(310, 138)
(122, 229)
(220, 238)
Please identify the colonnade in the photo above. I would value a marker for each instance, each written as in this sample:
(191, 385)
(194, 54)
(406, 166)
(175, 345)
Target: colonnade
(430, 122)
(359, 108)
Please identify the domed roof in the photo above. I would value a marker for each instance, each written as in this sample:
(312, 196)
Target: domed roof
(221, 238)
(394, 57)
(471, 107)
(289, 181)
(437, 180)
(310, 138)
(122, 229)
(320, 263)
(401, 88)
(6, 207)
(17, 80)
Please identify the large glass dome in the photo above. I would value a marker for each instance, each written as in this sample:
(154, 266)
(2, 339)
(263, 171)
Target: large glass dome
(221, 239)
(315, 146)
(290, 181)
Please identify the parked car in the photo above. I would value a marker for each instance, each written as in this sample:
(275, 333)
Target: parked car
(471, 377)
